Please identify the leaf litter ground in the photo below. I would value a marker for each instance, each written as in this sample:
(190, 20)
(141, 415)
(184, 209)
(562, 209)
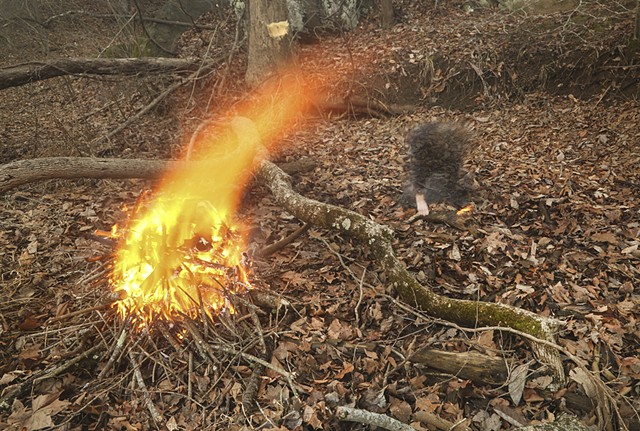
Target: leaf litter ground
(558, 231)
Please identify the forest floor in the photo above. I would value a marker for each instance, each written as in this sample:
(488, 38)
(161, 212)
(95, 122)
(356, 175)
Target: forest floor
(553, 103)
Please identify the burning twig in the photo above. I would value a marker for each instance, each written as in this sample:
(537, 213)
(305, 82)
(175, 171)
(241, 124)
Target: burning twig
(457, 219)
(181, 258)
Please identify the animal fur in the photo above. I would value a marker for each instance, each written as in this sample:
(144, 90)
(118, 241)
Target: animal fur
(437, 152)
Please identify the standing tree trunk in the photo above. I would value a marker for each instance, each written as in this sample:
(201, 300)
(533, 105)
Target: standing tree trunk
(636, 30)
(387, 18)
(269, 39)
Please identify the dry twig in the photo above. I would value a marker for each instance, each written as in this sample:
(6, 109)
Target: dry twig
(369, 418)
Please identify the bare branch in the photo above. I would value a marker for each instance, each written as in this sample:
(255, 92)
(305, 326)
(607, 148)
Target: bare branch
(21, 74)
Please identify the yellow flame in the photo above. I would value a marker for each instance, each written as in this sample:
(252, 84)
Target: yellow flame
(465, 210)
(178, 260)
(182, 253)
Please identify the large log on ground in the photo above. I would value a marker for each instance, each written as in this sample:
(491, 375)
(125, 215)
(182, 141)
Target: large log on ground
(26, 171)
(21, 172)
(26, 73)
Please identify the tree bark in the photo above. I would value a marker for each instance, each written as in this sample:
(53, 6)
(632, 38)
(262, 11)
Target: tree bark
(387, 17)
(21, 172)
(26, 73)
(374, 236)
(636, 28)
(269, 39)
(474, 366)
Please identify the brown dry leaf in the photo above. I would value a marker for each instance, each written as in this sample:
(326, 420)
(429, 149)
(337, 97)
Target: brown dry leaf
(580, 376)
(40, 414)
(172, 424)
(608, 237)
(631, 367)
(486, 421)
(346, 369)
(310, 416)
(517, 381)
(485, 339)
(29, 323)
(26, 258)
(429, 403)
(400, 409)
(532, 396)
(493, 242)
(31, 352)
(294, 278)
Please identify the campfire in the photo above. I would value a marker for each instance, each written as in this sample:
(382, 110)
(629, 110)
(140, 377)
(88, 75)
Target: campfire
(180, 255)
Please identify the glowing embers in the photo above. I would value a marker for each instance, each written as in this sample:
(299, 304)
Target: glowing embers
(179, 257)
(465, 210)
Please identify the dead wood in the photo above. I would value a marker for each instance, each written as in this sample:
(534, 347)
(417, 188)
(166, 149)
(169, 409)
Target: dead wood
(266, 251)
(350, 414)
(21, 74)
(435, 421)
(460, 221)
(378, 239)
(473, 366)
(12, 392)
(27, 171)
(116, 16)
(373, 235)
(31, 170)
(359, 107)
(563, 423)
(250, 394)
(488, 370)
(157, 417)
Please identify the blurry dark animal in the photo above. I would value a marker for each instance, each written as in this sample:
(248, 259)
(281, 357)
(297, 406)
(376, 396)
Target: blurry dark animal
(437, 152)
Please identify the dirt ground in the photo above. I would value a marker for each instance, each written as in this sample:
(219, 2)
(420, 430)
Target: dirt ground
(553, 103)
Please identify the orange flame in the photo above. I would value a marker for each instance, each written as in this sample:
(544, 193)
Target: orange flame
(464, 210)
(182, 253)
(178, 259)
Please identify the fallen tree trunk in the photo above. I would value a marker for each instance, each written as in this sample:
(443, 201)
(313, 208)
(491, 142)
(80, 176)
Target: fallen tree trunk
(475, 366)
(21, 172)
(378, 239)
(539, 331)
(371, 234)
(21, 74)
